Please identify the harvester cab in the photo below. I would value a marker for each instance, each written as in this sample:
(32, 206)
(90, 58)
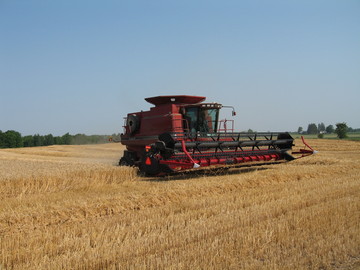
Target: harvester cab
(184, 133)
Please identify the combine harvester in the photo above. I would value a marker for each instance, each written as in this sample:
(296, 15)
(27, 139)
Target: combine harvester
(183, 133)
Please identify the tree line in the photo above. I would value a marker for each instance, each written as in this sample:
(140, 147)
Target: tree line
(13, 139)
(341, 129)
(315, 129)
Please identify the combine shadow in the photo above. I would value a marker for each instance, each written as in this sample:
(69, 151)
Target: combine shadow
(202, 173)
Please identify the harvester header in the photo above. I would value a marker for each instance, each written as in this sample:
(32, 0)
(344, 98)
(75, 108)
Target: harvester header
(184, 133)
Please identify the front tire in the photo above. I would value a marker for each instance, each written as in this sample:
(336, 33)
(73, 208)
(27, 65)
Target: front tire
(126, 162)
(128, 159)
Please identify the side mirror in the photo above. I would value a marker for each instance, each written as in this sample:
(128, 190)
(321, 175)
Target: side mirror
(231, 107)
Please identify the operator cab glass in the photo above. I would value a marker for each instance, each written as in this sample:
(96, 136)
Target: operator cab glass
(201, 119)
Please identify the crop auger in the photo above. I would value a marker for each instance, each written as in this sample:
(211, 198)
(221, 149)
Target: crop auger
(184, 133)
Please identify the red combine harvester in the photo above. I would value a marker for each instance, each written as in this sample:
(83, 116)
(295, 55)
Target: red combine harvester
(183, 133)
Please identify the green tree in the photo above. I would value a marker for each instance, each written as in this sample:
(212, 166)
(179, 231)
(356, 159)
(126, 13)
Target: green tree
(12, 139)
(79, 139)
(2, 135)
(300, 130)
(38, 140)
(321, 127)
(28, 141)
(341, 130)
(330, 129)
(48, 139)
(312, 129)
(2, 139)
(66, 138)
(57, 140)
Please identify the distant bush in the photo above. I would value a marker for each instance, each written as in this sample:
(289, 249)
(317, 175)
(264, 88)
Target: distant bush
(341, 130)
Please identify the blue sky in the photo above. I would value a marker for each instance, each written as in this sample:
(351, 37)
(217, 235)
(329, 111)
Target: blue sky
(81, 66)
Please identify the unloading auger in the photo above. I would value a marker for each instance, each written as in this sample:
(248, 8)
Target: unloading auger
(184, 133)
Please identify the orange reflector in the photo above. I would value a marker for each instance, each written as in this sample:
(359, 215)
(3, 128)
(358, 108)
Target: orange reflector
(148, 161)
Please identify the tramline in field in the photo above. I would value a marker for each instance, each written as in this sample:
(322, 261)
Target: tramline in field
(184, 133)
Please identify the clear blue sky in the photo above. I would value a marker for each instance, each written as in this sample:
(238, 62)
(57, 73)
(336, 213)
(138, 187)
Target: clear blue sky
(81, 66)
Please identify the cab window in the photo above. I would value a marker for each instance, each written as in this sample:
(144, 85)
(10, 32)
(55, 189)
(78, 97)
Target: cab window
(202, 120)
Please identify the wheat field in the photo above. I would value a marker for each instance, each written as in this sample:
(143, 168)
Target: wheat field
(71, 207)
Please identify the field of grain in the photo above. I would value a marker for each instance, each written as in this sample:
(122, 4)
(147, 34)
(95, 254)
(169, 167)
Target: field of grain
(70, 207)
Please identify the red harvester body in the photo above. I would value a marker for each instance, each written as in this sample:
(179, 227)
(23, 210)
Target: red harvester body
(184, 133)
